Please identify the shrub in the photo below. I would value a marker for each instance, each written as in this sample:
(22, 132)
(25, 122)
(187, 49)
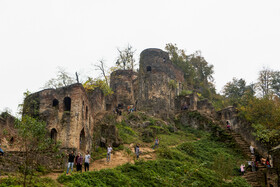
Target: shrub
(187, 147)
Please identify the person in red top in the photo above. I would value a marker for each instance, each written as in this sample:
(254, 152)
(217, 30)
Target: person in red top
(79, 162)
(228, 125)
(267, 163)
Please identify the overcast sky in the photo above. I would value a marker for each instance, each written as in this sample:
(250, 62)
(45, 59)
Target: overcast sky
(239, 37)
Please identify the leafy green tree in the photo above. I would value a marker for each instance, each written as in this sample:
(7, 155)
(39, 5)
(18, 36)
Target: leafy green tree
(236, 90)
(32, 133)
(126, 58)
(204, 71)
(179, 57)
(91, 84)
(197, 72)
(264, 115)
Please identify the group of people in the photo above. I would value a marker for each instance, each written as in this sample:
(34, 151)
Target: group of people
(118, 111)
(78, 160)
(130, 108)
(254, 164)
(136, 150)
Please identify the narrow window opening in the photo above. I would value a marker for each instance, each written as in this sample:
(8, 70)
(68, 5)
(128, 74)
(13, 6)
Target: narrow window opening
(67, 104)
(55, 103)
(82, 140)
(86, 112)
(149, 68)
(54, 135)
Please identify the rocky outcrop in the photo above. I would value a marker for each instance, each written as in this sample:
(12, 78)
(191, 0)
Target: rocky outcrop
(105, 131)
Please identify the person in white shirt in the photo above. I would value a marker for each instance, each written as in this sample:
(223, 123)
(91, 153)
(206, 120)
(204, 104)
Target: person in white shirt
(252, 149)
(87, 161)
(109, 151)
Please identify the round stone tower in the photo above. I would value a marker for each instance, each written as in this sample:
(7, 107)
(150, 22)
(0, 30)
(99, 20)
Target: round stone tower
(160, 81)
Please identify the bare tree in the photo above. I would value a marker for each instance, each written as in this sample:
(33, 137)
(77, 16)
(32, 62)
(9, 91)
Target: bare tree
(102, 67)
(126, 58)
(62, 79)
(265, 81)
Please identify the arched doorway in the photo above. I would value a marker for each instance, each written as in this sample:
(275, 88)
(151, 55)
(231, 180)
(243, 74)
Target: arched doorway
(82, 140)
(54, 135)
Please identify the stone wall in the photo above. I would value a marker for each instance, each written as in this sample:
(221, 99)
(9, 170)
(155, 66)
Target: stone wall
(122, 83)
(205, 106)
(159, 82)
(68, 114)
(97, 100)
(188, 101)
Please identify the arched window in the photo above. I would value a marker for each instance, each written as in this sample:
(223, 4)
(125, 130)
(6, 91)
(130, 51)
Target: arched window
(67, 104)
(54, 135)
(55, 103)
(82, 140)
(149, 68)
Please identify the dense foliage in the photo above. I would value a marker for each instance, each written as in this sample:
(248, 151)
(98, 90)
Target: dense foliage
(264, 115)
(32, 133)
(91, 84)
(198, 72)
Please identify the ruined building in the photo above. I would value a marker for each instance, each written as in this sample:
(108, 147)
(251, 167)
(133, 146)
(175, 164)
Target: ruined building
(67, 112)
(70, 111)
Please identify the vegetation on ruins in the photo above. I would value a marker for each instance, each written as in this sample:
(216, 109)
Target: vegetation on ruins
(198, 72)
(91, 84)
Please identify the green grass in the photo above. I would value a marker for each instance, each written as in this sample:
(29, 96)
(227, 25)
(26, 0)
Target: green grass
(197, 160)
(99, 153)
(34, 181)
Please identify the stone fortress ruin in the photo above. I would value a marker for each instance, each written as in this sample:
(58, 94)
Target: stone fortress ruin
(70, 112)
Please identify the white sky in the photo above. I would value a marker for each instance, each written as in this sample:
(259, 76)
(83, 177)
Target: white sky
(238, 37)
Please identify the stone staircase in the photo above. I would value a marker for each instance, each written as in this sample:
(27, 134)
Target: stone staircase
(254, 178)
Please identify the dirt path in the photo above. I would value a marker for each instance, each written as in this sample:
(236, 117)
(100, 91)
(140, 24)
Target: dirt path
(117, 158)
